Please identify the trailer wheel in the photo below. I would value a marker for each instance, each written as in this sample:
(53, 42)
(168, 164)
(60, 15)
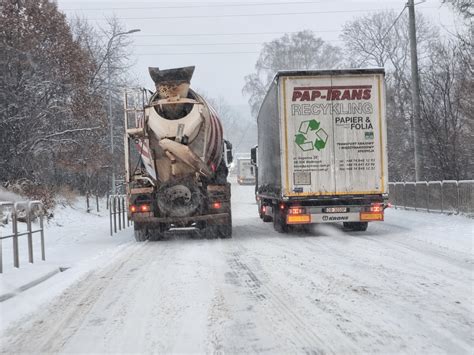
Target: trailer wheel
(279, 221)
(356, 226)
(140, 232)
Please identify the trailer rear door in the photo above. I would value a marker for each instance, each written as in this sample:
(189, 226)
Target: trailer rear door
(333, 134)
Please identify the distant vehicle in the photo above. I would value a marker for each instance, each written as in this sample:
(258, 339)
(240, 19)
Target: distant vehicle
(245, 172)
(254, 162)
(180, 176)
(322, 154)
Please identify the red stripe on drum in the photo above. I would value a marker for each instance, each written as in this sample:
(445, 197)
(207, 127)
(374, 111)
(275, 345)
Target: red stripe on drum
(143, 150)
(211, 145)
(215, 149)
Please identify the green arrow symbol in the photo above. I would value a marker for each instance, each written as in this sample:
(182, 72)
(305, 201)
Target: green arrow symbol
(314, 125)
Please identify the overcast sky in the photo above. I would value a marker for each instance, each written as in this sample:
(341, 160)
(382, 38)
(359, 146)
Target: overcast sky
(223, 38)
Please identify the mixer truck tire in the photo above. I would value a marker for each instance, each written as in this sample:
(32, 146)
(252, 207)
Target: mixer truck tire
(140, 232)
(225, 230)
(212, 232)
(158, 233)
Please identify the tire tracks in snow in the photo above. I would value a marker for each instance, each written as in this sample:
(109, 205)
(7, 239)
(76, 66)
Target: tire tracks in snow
(279, 306)
(397, 291)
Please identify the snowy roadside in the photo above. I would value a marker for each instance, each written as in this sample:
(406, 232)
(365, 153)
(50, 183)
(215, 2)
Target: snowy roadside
(76, 242)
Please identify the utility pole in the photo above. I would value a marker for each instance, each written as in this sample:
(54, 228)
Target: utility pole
(111, 121)
(415, 93)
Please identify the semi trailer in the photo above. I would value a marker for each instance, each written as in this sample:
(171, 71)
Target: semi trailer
(322, 149)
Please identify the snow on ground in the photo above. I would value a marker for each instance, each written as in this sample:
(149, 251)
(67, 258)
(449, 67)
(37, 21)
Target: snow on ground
(404, 286)
(75, 241)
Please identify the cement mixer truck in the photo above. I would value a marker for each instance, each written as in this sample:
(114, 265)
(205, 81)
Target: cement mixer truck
(176, 160)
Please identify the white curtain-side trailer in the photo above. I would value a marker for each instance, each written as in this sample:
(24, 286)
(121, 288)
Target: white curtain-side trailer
(322, 148)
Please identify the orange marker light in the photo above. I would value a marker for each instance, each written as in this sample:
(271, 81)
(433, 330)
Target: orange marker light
(298, 219)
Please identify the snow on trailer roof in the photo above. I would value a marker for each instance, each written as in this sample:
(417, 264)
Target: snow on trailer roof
(310, 72)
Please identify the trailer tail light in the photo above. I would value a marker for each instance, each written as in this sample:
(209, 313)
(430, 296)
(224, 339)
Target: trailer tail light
(144, 208)
(133, 208)
(374, 213)
(216, 205)
(376, 207)
(296, 210)
(282, 206)
(298, 218)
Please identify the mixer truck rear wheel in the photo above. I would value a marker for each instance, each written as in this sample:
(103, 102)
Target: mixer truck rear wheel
(140, 231)
(212, 232)
(225, 230)
(157, 233)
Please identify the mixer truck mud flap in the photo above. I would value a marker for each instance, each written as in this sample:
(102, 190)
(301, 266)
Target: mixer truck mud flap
(211, 226)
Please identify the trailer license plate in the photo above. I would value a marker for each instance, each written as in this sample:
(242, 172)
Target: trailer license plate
(336, 210)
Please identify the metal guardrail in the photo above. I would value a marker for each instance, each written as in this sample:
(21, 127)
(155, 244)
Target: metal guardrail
(118, 208)
(447, 196)
(14, 208)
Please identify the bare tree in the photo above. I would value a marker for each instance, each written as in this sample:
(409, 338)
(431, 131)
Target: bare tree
(301, 50)
(447, 112)
(381, 39)
(53, 123)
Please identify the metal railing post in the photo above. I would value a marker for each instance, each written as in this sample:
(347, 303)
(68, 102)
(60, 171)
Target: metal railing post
(442, 196)
(113, 208)
(458, 198)
(119, 215)
(16, 256)
(124, 212)
(43, 252)
(30, 236)
(110, 217)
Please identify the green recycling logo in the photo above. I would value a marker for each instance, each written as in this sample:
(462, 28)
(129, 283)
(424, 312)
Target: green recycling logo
(311, 136)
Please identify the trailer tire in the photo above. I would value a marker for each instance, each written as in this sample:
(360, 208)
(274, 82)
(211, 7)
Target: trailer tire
(140, 232)
(267, 218)
(279, 221)
(356, 226)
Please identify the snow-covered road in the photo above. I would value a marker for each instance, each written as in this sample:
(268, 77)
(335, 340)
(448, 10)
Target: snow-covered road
(404, 286)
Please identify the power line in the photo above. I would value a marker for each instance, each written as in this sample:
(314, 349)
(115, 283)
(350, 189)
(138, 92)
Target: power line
(385, 34)
(194, 6)
(246, 15)
(211, 44)
(197, 53)
(227, 34)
